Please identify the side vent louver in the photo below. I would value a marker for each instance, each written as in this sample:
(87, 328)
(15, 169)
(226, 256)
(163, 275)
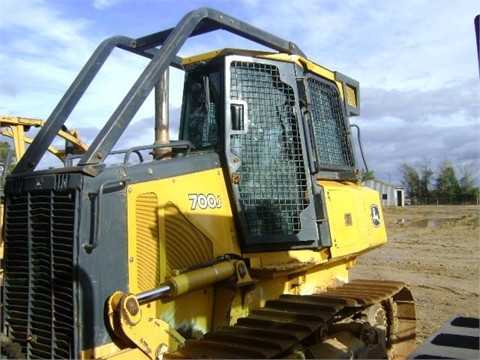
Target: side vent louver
(38, 305)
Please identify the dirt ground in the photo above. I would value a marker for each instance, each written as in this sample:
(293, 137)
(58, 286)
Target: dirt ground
(436, 251)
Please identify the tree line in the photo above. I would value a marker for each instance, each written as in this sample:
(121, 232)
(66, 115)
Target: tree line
(4, 167)
(445, 185)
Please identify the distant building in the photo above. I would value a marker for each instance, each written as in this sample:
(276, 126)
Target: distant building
(390, 195)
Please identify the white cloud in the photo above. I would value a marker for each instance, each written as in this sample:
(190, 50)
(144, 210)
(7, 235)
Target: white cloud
(104, 4)
(39, 18)
(453, 100)
(415, 61)
(42, 50)
(392, 44)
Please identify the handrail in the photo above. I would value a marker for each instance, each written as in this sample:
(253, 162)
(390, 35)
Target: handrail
(177, 144)
(95, 241)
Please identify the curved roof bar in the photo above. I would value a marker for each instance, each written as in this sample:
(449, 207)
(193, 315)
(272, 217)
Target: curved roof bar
(196, 22)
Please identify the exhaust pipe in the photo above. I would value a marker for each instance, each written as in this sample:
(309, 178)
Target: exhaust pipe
(161, 117)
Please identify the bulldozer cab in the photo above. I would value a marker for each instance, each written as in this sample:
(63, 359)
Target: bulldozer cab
(277, 121)
(277, 127)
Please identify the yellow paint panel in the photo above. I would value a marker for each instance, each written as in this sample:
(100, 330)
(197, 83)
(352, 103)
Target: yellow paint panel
(287, 260)
(355, 218)
(176, 223)
(111, 351)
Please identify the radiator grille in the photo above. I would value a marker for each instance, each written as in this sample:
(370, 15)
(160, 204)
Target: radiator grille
(273, 181)
(39, 233)
(331, 131)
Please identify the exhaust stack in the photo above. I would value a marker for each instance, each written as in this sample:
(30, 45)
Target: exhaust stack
(161, 117)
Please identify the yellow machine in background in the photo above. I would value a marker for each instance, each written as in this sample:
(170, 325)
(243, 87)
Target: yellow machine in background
(14, 127)
(235, 241)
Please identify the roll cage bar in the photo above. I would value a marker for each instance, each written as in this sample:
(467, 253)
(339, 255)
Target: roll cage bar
(197, 22)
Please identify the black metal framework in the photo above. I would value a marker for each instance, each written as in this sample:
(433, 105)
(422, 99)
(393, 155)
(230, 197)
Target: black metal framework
(197, 22)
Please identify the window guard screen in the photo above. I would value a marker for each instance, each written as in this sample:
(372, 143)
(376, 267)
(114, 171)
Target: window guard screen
(273, 182)
(331, 133)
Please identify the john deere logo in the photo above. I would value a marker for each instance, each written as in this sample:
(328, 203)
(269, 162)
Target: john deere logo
(375, 215)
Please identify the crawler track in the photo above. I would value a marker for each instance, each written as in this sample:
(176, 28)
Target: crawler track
(272, 331)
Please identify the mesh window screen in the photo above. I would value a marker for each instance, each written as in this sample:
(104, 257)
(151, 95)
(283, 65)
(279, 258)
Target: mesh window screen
(330, 129)
(273, 182)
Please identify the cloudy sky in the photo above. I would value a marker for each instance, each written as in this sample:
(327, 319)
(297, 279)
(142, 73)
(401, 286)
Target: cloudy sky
(416, 62)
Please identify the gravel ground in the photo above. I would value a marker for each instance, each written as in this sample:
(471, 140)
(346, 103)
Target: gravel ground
(435, 250)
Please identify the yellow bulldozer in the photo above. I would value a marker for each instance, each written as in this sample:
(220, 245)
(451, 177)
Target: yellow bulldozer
(14, 127)
(234, 241)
